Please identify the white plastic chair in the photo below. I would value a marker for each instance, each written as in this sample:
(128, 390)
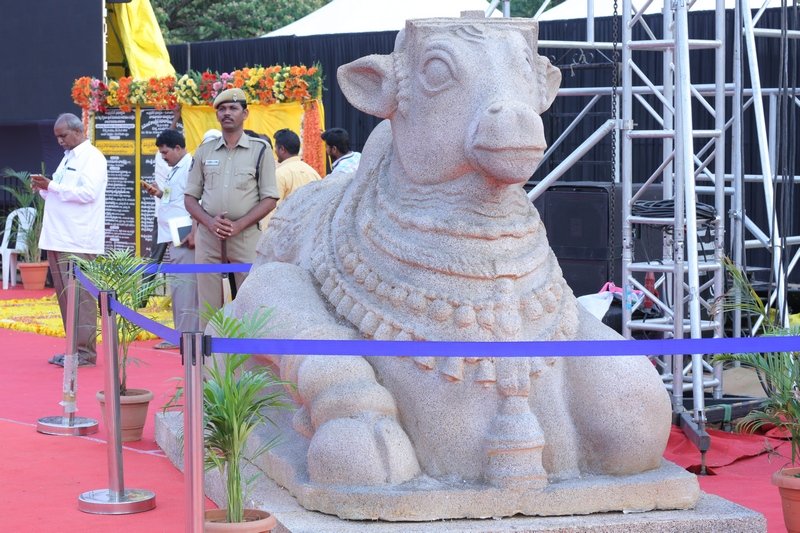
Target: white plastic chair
(24, 218)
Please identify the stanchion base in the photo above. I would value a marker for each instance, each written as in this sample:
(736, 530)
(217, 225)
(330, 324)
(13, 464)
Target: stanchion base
(106, 501)
(59, 425)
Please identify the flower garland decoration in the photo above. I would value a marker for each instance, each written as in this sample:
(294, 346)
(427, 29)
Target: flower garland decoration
(90, 93)
(262, 85)
(41, 315)
(311, 131)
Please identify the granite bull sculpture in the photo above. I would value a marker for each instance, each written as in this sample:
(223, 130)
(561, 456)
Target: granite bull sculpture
(434, 238)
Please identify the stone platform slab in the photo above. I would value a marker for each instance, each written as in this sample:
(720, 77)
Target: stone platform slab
(712, 514)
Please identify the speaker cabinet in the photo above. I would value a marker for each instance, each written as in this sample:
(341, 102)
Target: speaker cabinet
(584, 229)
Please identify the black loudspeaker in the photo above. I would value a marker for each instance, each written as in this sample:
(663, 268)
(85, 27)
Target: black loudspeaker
(580, 219)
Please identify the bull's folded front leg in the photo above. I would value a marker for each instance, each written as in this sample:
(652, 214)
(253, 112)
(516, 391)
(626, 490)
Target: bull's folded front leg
(515, 442)
(350, 419)
(357, 439)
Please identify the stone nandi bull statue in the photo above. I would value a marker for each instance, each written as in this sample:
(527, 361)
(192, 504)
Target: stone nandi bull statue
(435, 239)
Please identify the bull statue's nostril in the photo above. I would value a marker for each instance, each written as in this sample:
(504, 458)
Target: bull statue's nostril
(495, 108)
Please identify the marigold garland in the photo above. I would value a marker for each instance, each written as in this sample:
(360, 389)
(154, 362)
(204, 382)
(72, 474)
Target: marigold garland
(43, 317)
(311, 137)
(263, 85)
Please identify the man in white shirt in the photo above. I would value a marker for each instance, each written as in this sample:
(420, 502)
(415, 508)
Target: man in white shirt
(160, 172)
(183, 287)
(344, 162)
(74, 223)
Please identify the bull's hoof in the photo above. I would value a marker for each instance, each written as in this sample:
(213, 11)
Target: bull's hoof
(349, 451)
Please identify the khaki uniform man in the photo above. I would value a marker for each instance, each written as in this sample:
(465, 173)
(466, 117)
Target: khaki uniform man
(231, 187)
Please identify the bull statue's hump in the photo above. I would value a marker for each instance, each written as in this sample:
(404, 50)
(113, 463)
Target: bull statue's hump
(434, 238)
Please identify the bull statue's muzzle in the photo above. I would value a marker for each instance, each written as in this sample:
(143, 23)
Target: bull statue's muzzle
(506, 142)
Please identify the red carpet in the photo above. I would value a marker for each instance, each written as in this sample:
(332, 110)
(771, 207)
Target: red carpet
(739, 470)
(44, 475)
(726, 448)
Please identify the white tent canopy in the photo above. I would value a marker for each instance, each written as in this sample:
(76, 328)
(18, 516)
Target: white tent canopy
(578, 9)
(357, 16)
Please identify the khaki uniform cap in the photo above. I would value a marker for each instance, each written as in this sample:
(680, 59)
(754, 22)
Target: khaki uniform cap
(230, 95)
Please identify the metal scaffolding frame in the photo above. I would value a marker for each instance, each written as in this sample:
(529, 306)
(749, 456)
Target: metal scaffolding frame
(693, 163)
(687, 307)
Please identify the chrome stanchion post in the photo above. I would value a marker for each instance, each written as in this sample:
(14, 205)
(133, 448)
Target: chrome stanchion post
(193, 350)
(116, 499)
(68, 424)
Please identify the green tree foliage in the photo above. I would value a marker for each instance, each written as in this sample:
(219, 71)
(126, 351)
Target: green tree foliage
(528, 8)
(207, 20)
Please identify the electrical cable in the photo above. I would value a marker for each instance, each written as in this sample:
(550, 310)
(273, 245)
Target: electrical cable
(666, 209)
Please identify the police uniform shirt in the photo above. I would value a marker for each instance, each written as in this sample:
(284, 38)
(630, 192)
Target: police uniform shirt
(225, 180)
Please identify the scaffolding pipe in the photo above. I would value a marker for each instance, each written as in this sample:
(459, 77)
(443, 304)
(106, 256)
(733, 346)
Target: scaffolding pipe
(763, 146)
(685, 175)
(575, 156)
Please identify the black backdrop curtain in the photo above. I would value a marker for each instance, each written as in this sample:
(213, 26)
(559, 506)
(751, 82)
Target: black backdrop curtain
(580, 68)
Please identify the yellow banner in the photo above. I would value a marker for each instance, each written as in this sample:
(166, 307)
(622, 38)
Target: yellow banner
(135, 41)
(263, 119)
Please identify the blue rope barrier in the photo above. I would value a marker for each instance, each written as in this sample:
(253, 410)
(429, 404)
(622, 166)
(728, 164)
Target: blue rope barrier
(147, 324)
(590, 348)
(142, 321)
(374, 348)
(88, 285)
(196, 268)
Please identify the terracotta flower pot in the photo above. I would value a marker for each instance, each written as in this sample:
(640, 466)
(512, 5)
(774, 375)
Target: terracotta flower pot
(133, 412)
(255, 522)
(789, 487)
(33, 275)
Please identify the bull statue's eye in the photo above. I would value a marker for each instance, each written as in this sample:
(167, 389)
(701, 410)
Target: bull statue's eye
(436, 74)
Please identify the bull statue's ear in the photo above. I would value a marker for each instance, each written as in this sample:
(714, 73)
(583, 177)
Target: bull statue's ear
(370, 85)
(550, 81)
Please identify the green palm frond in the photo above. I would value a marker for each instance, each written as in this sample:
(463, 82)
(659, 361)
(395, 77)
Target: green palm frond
(741, 295)
(236, 400)
(781, 408)
(121, 271)
(23, 195)
(779, 371)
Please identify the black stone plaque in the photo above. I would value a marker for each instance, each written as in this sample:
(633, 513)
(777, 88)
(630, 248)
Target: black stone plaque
(121, 202)
(130, 212)
(115, 136)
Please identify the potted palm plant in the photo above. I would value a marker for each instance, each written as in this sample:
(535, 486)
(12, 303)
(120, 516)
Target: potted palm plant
(779, 373)
(31, 267)
(121, 271)
(237, 398)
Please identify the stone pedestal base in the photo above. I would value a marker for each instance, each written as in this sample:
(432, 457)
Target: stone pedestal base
(667, 487)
